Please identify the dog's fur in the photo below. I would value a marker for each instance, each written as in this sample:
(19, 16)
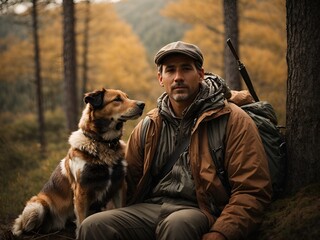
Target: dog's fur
(93, 171)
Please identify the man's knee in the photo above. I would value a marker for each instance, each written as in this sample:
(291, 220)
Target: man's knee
(183, 225)
(177, 219)
(86, 222)
(93, 228)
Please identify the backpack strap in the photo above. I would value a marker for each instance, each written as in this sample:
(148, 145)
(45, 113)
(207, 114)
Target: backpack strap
(216, 138)
(143, 132)
(171, 159)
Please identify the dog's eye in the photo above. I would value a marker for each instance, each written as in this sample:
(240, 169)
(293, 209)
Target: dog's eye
(118, 99)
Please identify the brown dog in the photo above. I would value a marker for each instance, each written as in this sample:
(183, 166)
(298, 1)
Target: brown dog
(93, 171)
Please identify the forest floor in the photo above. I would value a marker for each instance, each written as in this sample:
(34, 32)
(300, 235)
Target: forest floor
(296, 217)
(66, 234)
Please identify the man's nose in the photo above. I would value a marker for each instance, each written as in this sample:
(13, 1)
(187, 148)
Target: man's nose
(178, 75)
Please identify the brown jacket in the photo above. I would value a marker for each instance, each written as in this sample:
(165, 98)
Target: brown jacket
(245, 162)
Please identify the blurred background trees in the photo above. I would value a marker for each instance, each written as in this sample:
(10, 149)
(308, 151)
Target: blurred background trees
(70, 65)
(231, 31)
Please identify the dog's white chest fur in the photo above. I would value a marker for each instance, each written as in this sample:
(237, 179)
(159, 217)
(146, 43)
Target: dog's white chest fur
(100, 150)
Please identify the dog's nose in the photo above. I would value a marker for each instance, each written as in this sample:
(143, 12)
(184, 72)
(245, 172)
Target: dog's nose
(141, 105)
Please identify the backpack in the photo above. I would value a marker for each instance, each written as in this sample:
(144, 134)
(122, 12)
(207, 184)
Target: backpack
(263, 115)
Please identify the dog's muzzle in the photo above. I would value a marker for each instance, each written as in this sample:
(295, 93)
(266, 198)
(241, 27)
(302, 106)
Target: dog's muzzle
(133, 113)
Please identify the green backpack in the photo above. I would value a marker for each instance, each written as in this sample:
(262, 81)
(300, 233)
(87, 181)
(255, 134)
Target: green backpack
(263, 115)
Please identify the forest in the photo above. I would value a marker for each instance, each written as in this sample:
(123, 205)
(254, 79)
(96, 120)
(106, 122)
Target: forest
(115, 45)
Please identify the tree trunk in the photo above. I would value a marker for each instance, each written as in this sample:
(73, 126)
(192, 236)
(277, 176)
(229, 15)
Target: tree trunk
(69, 57)
(38, 79)
(85, 48)
(303, 102)
(232, 75)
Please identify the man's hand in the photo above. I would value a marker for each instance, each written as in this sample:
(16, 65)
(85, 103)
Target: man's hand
(213, 236)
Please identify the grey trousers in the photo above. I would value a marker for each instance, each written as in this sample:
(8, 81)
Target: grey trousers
(146, 221)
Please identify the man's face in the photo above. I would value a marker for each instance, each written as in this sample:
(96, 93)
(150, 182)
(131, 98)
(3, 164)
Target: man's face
(180, 78)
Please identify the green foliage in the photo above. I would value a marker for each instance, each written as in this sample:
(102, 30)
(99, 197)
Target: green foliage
(13, 24)
(15, 133)
(13, 102)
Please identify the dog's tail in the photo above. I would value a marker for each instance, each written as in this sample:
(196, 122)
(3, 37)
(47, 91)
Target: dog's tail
(32, 216)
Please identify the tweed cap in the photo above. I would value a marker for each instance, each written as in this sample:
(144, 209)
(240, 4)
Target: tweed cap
(179, 47)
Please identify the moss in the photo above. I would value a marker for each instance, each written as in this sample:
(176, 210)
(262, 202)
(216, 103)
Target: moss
(296, 217)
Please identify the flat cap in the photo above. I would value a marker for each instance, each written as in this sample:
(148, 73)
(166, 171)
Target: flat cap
(179, 47)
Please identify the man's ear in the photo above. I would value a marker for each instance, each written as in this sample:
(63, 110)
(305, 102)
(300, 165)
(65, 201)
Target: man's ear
(160, 79)
(201, 73)
(95, 99)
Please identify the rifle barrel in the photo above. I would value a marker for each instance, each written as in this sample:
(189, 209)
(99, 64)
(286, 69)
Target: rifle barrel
(232, 49)
(248, 82)
(243, 72)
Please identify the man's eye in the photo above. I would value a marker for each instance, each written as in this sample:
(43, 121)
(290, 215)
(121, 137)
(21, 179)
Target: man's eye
(187, 68)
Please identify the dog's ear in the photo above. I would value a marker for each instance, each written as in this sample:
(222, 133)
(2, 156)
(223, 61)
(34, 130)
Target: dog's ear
(95, 99)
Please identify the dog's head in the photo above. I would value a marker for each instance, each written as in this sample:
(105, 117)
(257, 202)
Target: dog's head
(106, 110)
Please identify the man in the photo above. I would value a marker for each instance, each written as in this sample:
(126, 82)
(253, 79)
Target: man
(188, 201)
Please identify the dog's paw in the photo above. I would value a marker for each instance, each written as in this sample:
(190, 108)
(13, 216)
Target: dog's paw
(30, 219)
(17, 228)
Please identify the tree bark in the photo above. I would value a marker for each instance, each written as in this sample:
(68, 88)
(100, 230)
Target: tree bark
(85, 47)
(41, 122)
(232, 75)
(303, 102)
(69, 57)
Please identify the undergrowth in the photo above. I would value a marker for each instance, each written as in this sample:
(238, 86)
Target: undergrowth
(23, 171)
(295, 217)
